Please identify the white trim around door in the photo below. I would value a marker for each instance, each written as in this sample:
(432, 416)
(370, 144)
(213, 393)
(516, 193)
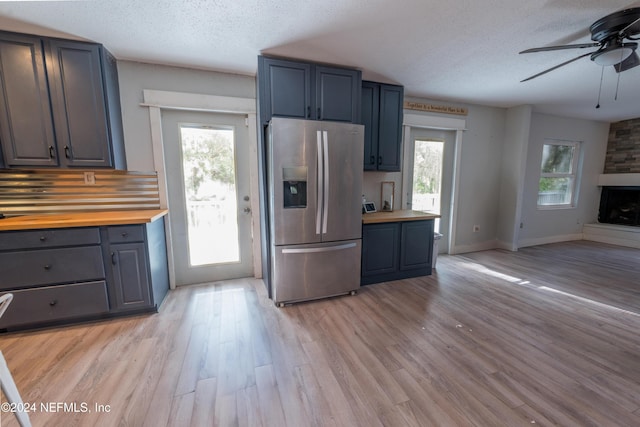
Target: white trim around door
(158, 100)
(441, 123)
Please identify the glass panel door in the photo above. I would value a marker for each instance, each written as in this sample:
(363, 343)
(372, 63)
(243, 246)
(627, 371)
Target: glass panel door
(207, 164)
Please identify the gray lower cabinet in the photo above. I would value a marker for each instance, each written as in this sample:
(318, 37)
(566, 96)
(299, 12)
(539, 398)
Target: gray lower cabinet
(69, 275)
(396, 250)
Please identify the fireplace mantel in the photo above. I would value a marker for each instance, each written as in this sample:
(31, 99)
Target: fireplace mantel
(619, 179)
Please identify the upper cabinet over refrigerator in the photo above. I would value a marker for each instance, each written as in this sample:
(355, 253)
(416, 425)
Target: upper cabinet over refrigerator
(306, 90)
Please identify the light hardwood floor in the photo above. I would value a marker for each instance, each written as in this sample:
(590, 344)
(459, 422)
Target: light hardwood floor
(548, 335)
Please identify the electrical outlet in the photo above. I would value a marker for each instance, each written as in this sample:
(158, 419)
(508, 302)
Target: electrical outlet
(476, 228)
(90, 178)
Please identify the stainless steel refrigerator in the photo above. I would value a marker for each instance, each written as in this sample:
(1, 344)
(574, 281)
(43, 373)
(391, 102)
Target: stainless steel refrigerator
(315, 208)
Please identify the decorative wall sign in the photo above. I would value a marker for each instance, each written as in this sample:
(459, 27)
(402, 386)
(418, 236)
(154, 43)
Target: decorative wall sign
(445, 109)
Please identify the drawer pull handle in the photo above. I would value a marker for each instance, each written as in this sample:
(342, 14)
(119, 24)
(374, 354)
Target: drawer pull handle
(47, 267)
(54, 302)
(51, 152)
(43, 238)
(113, 258)
(124, 234)
(67, 152)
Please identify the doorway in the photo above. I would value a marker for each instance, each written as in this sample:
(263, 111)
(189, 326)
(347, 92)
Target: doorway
(208, 186)
(430, 176)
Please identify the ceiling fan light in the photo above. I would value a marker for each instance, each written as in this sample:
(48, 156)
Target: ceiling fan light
(611, 56)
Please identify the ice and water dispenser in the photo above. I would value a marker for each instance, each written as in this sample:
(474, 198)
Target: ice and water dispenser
(294, 181)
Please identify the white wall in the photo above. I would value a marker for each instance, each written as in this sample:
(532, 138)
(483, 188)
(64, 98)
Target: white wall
(513, 165)
(547, 226)
(489, 164)
(134, 77)
(479, 186)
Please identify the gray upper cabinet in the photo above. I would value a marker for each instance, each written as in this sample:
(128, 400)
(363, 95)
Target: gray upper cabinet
(60, 104)
(307, 91)
(382, 118)
(26, 128)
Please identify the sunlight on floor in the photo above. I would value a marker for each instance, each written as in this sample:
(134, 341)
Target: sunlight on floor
(517, 281)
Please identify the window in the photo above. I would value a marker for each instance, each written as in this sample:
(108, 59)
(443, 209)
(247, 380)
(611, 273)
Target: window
(210, 190)
(558, 171)
(427, 176)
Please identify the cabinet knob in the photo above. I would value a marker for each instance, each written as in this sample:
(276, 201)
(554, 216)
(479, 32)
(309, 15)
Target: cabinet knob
(52, 153)
(54, 302)
(372, 160)
(124, 234)
(308, 111)
(47, 267)
(379, 160)
(113, 258)
(43, 238)
(319, 116)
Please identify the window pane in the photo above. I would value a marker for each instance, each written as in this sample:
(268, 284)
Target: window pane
(557, 158)
(210, 192)
(555, 191)
(427, 175)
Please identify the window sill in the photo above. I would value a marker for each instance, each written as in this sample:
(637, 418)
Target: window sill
(554, 207)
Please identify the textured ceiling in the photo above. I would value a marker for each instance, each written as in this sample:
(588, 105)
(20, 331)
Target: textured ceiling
(456, 50)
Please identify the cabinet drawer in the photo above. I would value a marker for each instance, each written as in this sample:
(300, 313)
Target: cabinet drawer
(49, 266)
(125, 233)
(47, 238)
(56, 303)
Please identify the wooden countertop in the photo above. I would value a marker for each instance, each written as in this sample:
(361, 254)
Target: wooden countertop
(397, 216)
(81, 219)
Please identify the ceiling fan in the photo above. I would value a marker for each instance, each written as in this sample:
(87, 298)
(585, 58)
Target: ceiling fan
(610, 35)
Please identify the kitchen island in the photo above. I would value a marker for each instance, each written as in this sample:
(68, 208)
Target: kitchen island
(396, 245)
(76, 266)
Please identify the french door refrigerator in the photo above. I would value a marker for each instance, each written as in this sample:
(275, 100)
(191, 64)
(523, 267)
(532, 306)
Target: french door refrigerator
(315, 208)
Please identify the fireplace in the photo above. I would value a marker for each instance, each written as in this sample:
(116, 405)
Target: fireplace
(620, 205)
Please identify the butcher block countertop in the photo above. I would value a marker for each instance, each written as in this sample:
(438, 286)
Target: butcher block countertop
(81, 219)
(397, 216)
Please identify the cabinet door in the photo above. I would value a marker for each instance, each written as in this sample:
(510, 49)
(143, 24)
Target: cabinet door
(337, 94)
(416, 245)
(390, 128)
(130, 276)
(287, 88)
(26, 128)
(77, 97)
(380, 248)
(370, 117)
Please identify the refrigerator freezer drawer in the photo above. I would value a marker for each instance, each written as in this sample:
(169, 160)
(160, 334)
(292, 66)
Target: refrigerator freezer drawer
(306, 272)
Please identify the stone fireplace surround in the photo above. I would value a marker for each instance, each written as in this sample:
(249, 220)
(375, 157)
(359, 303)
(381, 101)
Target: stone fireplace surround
(621, 175)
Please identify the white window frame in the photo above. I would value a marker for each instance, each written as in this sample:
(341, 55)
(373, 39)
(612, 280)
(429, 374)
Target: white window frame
(574, 174)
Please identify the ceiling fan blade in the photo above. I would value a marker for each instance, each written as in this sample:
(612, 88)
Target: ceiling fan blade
(632, 61)
(623, 32)
(556, 67)
(561, 47)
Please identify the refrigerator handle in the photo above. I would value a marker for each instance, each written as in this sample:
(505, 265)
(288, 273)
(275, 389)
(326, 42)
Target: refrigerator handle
(319, 172)
(322, 249)
(326, 182)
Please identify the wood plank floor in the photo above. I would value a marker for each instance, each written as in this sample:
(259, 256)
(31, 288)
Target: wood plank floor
(546, 336)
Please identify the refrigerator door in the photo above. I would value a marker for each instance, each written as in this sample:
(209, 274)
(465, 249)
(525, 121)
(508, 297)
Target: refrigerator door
(294, 164)
(343, 147)
(306, 272)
